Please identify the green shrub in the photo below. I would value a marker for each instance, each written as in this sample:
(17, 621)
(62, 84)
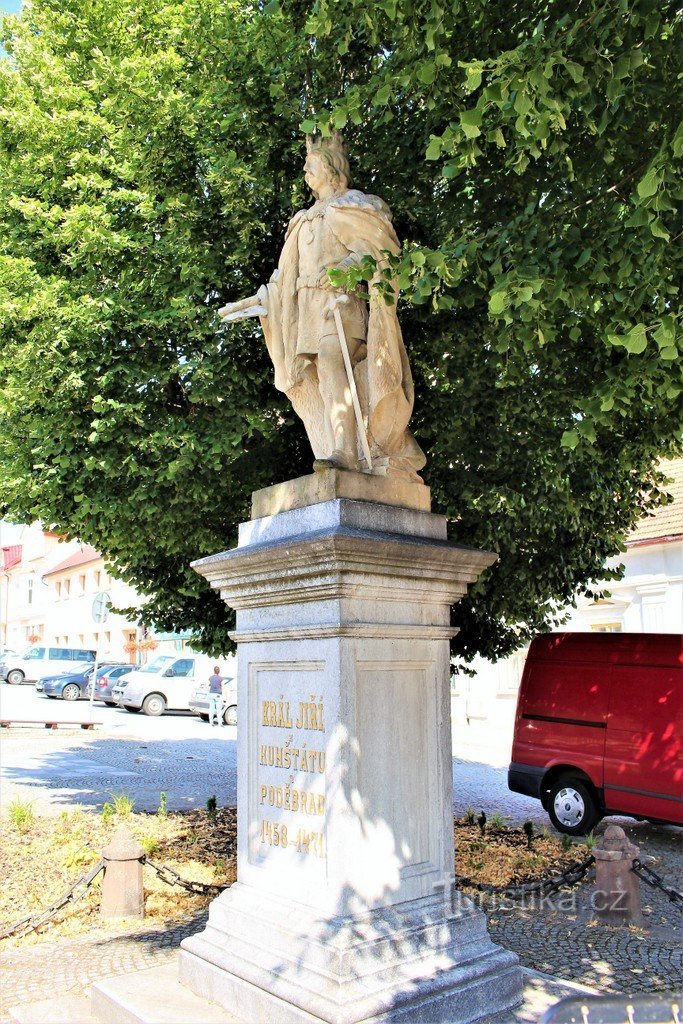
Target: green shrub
(21, 815)
(123, 804)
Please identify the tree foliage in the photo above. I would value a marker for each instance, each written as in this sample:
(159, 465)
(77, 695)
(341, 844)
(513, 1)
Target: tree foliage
(150, 158)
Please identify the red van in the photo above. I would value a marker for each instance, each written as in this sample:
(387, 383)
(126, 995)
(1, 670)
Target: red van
(599, 728)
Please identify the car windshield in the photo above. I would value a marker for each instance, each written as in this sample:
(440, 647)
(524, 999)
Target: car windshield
(157, 664)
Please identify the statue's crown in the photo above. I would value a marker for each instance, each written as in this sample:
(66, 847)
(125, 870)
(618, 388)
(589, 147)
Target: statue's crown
(333, 144)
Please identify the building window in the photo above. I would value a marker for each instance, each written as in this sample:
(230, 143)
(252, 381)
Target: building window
(107, 636)
(81, 583)
(67, 588)
(98, 579)
(58, 589)
(29, 591)
(606, 627)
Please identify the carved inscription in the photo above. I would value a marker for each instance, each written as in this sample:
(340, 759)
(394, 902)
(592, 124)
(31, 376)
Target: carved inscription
(293, 763)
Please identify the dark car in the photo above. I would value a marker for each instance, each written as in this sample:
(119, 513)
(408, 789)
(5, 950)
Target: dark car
(108, 680)
(72, 685)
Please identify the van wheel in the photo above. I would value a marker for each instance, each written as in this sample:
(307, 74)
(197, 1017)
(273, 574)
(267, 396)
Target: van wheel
(154, 705)
(572, 807)
(230, 715)
(16, 676)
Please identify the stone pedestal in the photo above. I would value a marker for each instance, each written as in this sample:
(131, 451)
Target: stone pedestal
(342, 910)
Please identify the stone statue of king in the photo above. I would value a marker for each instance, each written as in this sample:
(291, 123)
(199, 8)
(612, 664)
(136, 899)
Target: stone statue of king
(338, 356)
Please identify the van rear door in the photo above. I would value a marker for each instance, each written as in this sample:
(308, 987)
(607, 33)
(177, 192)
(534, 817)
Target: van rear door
(644, 746)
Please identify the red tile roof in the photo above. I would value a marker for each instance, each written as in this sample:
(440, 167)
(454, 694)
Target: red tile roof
(667, 522)
(86, 554)
(11, 556)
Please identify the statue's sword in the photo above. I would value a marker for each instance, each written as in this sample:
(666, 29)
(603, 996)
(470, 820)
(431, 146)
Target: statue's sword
(333, 306)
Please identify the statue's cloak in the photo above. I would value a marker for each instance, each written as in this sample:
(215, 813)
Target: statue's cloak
(362, 224)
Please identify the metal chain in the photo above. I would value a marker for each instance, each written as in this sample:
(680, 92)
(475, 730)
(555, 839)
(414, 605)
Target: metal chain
(172, 877)
(572, 875)
(82, 884)
(75, 893)
(657, 882)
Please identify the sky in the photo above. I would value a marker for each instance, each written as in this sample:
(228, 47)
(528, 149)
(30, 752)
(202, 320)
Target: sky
(8, 7)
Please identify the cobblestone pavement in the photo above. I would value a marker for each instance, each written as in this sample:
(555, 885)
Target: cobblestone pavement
(558, 936)
(555, 936)
(28, 975)
(177, 753)
(190, 761)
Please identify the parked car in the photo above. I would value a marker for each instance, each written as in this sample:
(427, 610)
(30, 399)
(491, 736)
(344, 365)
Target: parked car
(599, 728)
(35, 662)
(199, 702)
(108, 680)
(71, 685)
(166, 683)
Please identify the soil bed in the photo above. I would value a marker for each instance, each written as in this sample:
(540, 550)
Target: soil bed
(41, 862)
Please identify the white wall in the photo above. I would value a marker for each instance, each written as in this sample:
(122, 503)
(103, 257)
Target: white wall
(70, 621)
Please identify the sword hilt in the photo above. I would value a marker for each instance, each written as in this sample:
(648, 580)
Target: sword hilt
(334, 302)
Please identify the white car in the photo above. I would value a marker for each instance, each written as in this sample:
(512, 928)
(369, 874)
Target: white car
(166, 684)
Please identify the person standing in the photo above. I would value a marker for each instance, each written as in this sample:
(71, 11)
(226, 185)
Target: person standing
(216, 697)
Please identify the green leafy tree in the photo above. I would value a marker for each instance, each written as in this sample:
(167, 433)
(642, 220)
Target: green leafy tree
(150, 158)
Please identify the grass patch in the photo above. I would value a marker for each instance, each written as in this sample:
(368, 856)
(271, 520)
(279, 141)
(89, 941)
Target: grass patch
(41, 864)
(21, 815)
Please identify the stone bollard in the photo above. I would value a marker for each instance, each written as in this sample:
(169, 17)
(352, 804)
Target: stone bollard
(616, 899)
(122, 892)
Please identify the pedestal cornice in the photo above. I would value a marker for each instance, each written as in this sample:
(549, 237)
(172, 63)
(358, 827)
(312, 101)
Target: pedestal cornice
(340, 562)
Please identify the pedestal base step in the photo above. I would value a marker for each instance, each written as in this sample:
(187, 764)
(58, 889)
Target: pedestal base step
(66, 1009)
(155, 996)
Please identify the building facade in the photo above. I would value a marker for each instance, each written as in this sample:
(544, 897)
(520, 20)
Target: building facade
(48, 590)
(648, 599)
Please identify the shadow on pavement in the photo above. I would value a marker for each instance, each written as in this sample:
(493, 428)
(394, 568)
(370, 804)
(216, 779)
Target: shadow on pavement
(187, 770)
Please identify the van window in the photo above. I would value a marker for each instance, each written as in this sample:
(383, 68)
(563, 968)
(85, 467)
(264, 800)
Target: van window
(158, 664)
(78, 655)
(58, 654)
(184, 667)
(34, 654)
